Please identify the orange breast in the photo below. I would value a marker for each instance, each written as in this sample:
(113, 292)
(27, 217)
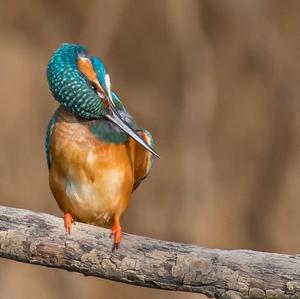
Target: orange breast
(90, 179)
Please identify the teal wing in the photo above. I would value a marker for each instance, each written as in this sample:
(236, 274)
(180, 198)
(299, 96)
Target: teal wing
(48, 139)
(143, 158)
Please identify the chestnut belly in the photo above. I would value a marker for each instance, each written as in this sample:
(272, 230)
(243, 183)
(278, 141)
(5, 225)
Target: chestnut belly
(90, 179)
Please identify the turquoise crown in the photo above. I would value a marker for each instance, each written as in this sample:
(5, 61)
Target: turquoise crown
(70, 87)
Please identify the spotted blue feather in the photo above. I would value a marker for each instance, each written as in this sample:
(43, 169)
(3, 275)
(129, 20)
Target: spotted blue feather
(69, 86)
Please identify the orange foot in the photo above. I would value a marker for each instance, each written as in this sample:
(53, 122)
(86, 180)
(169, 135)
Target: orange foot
(117, 232)
(68, 222)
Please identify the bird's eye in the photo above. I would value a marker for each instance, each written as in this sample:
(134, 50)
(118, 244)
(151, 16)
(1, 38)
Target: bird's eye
(96, 90)
(93, 86)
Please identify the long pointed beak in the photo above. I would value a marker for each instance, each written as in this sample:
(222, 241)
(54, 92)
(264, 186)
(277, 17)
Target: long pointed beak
(116, 119)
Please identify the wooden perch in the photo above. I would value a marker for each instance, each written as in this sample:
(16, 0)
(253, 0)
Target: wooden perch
(38, 238)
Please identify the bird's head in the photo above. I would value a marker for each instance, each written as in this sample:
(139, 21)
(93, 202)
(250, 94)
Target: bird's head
(80, 83)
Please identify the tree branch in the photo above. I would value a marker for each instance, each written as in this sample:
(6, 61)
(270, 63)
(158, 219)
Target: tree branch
(38, 238)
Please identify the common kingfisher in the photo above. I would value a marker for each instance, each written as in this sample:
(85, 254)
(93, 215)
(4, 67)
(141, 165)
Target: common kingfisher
(96, 155)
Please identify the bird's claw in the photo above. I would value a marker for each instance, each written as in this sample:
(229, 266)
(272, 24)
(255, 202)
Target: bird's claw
(68, 222)
(117, 234)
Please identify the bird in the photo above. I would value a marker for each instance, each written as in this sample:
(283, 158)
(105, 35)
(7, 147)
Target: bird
(95, 153)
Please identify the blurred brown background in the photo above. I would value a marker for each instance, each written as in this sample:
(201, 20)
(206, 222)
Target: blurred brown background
(216, 82)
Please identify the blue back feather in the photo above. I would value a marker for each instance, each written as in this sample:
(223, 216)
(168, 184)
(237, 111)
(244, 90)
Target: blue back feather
(48, 139)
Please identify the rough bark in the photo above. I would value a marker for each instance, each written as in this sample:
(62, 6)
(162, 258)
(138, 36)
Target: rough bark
(38, 238)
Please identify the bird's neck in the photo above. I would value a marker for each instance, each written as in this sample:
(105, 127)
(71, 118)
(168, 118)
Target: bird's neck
(106, 131)
(101, 128)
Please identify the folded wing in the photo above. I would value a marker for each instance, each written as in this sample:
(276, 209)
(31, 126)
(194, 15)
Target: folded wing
(143, 158)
